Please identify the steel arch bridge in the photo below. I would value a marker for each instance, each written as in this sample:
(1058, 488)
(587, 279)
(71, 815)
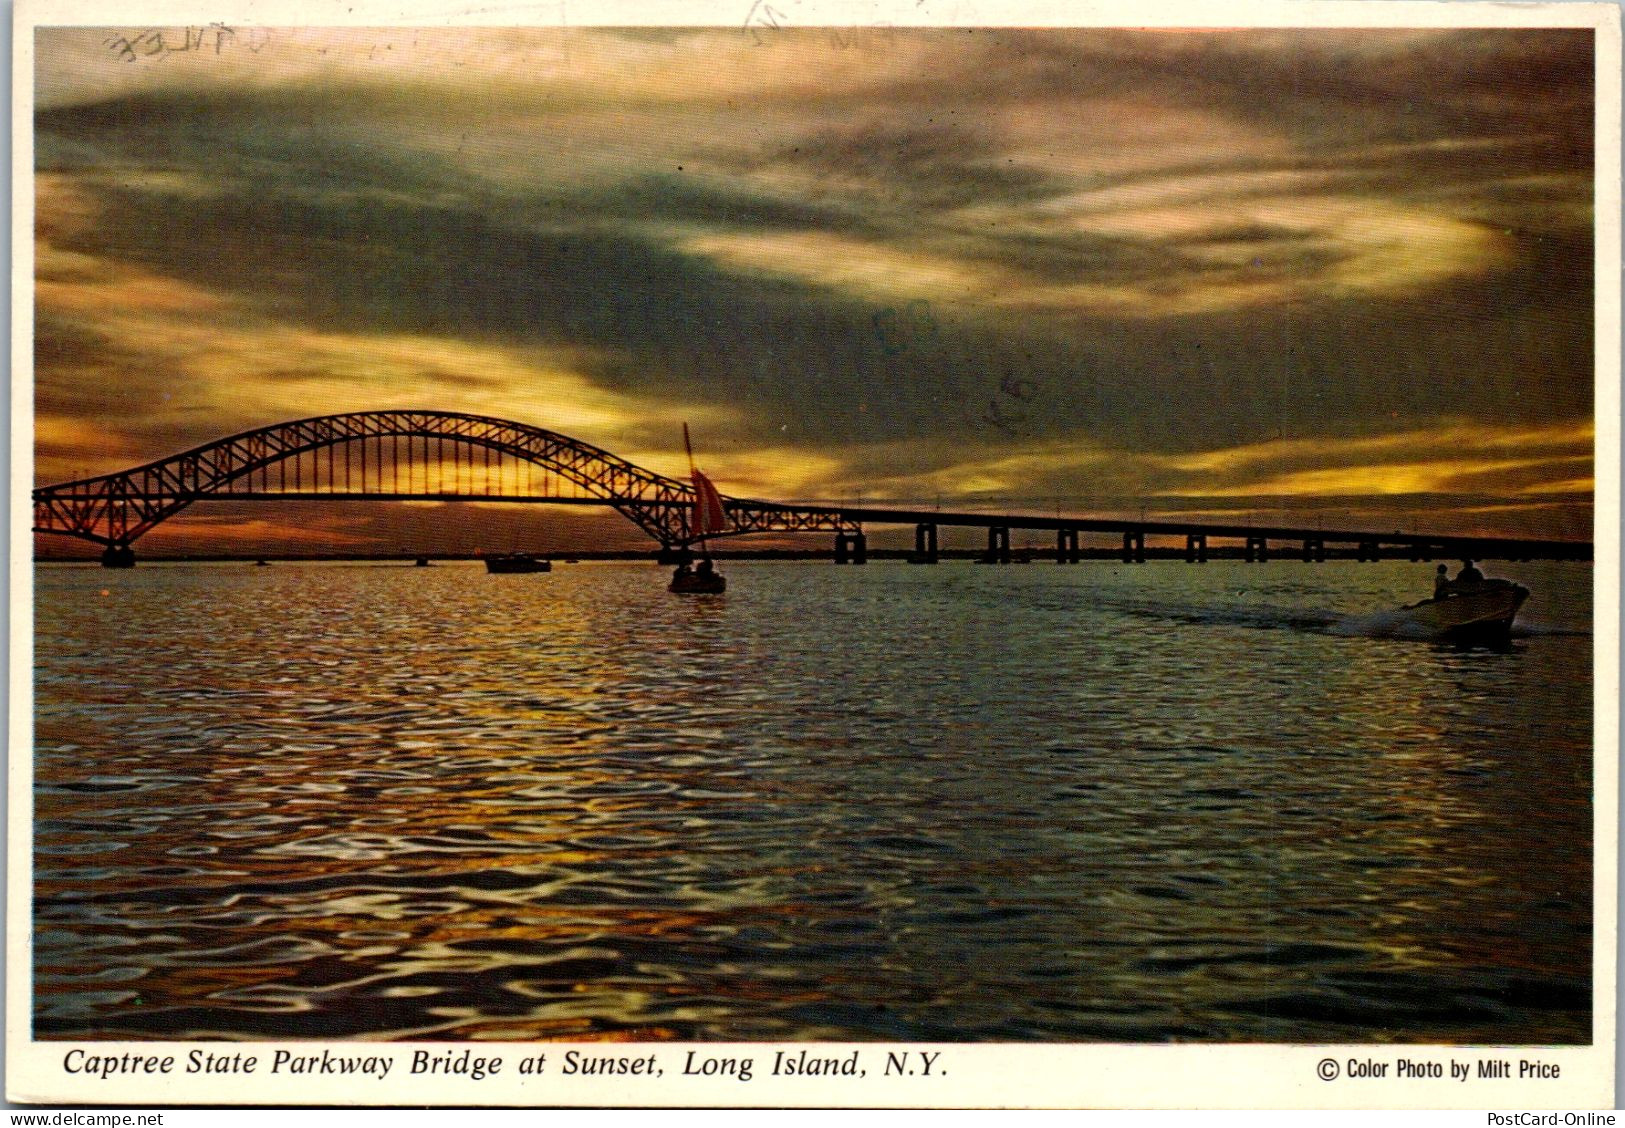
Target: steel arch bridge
(395, 456)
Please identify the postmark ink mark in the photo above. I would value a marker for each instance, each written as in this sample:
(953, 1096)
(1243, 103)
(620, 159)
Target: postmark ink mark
(899, 330)
(1017, 387)
(860, 35)
(762, 16)
(1003, 411)
(1005, 420)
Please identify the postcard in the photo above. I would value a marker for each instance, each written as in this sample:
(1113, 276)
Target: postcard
(815, 555)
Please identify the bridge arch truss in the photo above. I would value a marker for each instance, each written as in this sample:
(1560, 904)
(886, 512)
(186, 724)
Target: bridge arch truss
(116, 509)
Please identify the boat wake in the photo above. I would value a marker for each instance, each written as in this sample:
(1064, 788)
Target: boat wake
(1264, 618)
(1392, 623)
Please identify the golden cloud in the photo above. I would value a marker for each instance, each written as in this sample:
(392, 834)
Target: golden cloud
(1458, 436)
(232, 365)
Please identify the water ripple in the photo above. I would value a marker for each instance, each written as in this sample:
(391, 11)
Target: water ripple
(1093, 803)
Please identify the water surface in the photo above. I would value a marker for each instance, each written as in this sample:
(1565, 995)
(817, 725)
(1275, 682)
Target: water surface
(1098, 802)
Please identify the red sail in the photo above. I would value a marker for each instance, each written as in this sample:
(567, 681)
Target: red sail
(708, 514)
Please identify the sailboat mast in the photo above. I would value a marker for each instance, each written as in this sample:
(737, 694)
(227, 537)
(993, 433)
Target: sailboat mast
(699, 516)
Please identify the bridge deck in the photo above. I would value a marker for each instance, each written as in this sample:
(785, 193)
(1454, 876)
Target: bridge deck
(858, 515)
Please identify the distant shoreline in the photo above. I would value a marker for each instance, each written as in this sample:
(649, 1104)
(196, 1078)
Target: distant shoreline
(1035, 555)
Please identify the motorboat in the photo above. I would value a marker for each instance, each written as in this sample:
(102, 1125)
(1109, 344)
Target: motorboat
(514, 562)
(1480, 612)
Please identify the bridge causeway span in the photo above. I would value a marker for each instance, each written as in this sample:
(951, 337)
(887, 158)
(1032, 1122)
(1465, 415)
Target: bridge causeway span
(377, 456)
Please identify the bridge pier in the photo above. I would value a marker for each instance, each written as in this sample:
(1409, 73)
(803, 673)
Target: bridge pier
(1421, 551)
(118, 556)
(1133, 546)
(925, 544)
(1314, 550)
(998, 545)
(1066, 546)
(1369, 551)
(1258, 549)
(1196, 548)
(851, 548)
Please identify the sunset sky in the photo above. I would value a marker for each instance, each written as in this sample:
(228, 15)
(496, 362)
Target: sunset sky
(1338, 276)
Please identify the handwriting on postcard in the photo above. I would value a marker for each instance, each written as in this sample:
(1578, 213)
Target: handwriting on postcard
(157, 43)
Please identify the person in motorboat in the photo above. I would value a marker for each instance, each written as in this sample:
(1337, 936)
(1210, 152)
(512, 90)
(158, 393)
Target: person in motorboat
(705, 568)
(1467, 581)
(1441, 582)
(683, 572)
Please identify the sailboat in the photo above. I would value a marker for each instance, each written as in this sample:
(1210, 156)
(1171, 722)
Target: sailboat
(709, 517)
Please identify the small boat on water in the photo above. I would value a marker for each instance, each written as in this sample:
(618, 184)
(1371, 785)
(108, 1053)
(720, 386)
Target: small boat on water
(699, 583)
(710, 516)
(515, 562)
(1481, 613)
